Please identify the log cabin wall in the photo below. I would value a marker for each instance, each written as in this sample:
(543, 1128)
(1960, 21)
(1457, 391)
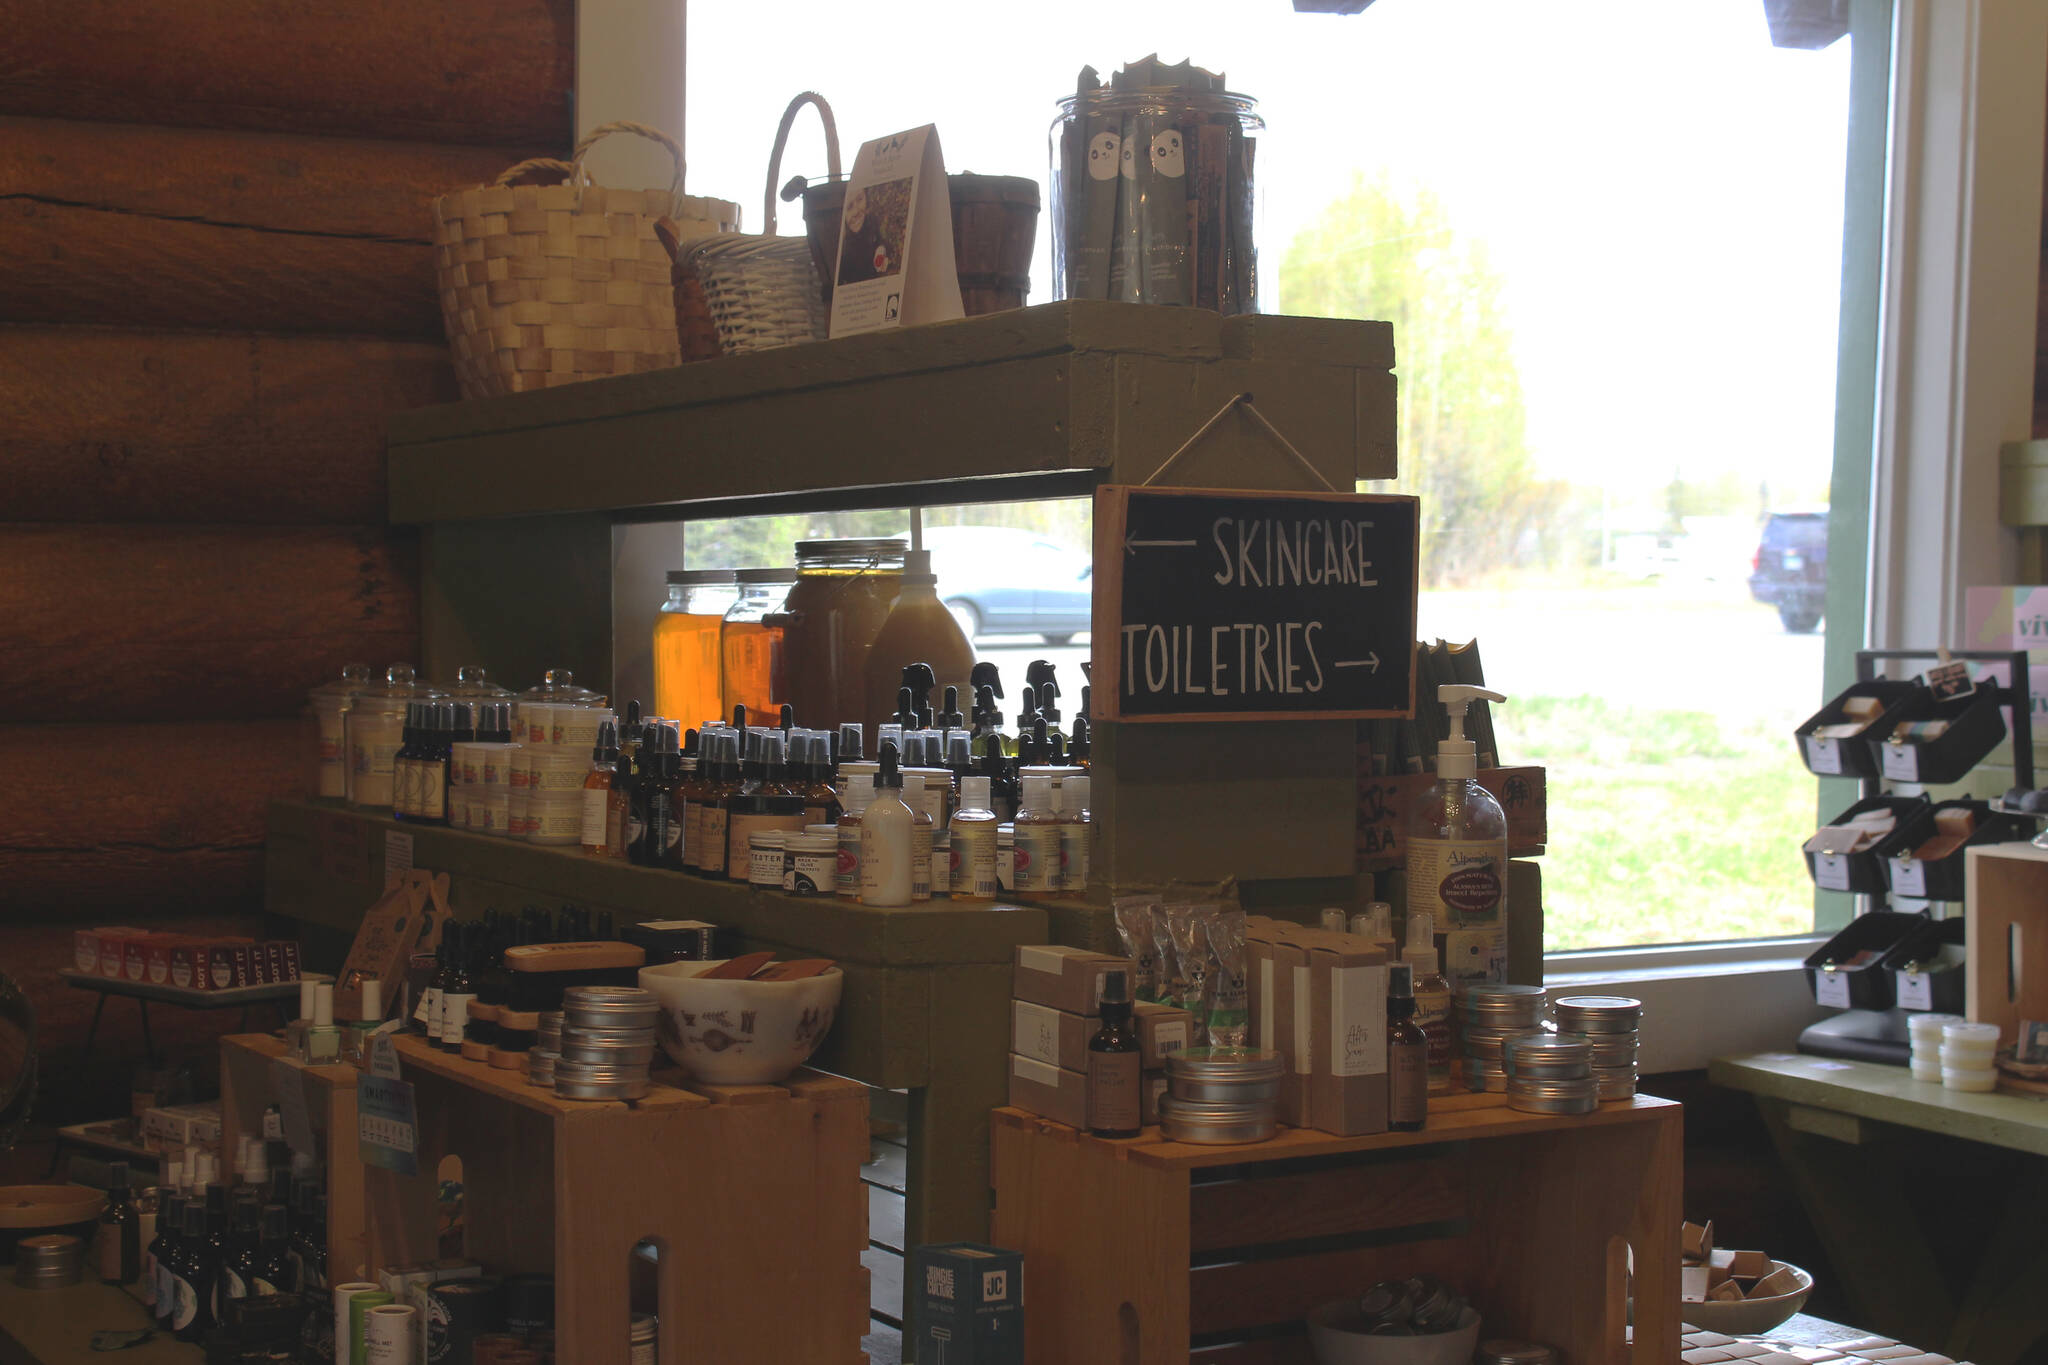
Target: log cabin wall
(215, 282)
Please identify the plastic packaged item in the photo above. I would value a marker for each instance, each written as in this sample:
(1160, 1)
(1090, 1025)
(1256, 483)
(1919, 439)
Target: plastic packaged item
(1457, 850)
(1037, 840)
(1972, 1079)
(686, 633)
(375, 725)
(840, 595)
(328, 704)
(1927, 1071)
(1966, 1036)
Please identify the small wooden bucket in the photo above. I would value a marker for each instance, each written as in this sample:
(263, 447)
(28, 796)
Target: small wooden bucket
(995, 228)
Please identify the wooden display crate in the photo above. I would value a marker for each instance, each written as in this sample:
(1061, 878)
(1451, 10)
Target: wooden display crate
(1146, 1252)
(253, 1066)
(2005, 933)
(751, 1192)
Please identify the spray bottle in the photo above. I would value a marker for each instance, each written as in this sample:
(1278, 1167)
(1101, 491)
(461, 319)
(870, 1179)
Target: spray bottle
(1457, 854)
(1432, 998)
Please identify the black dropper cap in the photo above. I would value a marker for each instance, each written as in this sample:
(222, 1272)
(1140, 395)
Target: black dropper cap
(1027, 708)
(850, 741)
(985, 707)
(950, 718)
(1039, 673)
(985, 674)
(887, 773)
(920, 679)
(690, 742)
(906, 713)
(607, 750)
(465, 723)
(788, 719)
(1087, 697)
(276, 1222)
(1079, 748)
(1400, 989)
(1035, 750)
(1058, 753)
(630, 733)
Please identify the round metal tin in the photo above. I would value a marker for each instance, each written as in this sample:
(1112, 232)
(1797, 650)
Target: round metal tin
(1613, 1087)
(1228, 1076)
(609, 1007)
(1550, 1071)
(1599, 1013)
(1480, 1078)
(576, 1034)
(609, 1054)
(1614, 1053)
(1535, 1096)
(1489, 1044)
(1184, 1121)
(574, 1081)
(1501, 1352)
(1538, 1051)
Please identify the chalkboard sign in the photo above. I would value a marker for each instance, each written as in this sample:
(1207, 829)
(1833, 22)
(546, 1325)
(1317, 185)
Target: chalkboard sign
(1222, 604)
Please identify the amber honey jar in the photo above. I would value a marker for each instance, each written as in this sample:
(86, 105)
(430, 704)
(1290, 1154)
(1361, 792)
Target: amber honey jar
(841, 597)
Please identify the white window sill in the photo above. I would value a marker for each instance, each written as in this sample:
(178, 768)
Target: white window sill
(1700, 1001)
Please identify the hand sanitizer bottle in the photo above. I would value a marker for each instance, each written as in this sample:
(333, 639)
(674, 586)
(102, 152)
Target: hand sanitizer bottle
(1457, 853)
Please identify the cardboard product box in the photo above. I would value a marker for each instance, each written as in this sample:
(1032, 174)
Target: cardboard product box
(1348, 1004)
(1060, 1039)
(188, 964)
(970, 1304)
(157, 966)
(1049, 1091)
(243, 956)
(85, 949)
(183, 1125)
(114, 951)
(1294, 1034)
(292, 972)
(135, 957)
(1069, 979)
(1151, 1086)
(1258, 980)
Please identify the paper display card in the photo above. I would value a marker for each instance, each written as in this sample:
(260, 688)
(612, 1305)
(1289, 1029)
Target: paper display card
(1831, 989)
(1950, 680)
(1916, 991)
(1823, 755)
(895, 265)
(387, 1125)
(1909, 878)
(1830, 872)
(1902, 762)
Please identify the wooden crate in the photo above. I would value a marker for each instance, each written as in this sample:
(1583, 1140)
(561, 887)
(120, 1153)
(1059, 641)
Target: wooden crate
(751, 1192)
(1146, 1252)
(252, 1068)
(2005, 931)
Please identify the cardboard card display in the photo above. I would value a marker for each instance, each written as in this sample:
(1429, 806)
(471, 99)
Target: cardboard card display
(895, 265)
(392, 927)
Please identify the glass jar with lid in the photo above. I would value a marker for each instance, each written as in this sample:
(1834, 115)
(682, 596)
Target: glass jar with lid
(753, 664)
(329, 703)
(686, 665)
(841, 597)
(375, 726)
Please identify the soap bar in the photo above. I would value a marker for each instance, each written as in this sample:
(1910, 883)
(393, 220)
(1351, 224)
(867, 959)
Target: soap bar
(1747, 1265)
(1696, 1240)
(1725, 1292)
(1720, 1266)
(1783, 1280)
(1955, 820)
(1865, 709)
(1692, 1284)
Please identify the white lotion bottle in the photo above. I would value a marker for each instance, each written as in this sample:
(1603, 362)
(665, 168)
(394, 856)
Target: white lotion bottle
(885, 836)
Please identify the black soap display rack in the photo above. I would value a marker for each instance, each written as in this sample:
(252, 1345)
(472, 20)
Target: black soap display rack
(1914, 732)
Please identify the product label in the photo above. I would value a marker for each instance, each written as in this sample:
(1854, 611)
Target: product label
(1831, 989)
(811, 874)
(1901, 762)
(259, 1286)
(1304, 1025)
(1266, 1037)
(594, 806)
(184, 1303)
(1035, 1032)
(454, 1016)
(1006, 868)
(972, 861)
(1168, 1039)
(1916, 991)
(1038, 858)
(1476, 955)
(846, 880)
(764, 866)
(430, 787)
(942, 862)
(712, 847)
(232, 1284)
(1113, 1098)
(693, 832)
(1457, 882)
(1358, 1021)
(920, 862)
(1831, 871)
(1823, 756)
(428, 1011)
(1433, 1017)
(664, 831)
(1408, 1082)
(1909, 877)
(1074, 856)
(106, 1246)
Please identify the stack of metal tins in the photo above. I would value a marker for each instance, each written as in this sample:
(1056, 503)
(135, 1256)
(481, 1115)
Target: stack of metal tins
(1220, 1095)
(1490, 1013)
(1551, 1073)
(1610, 1023)
(546, 1051)
(607, 1043)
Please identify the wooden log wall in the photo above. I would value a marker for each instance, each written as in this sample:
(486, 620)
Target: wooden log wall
(218, 283)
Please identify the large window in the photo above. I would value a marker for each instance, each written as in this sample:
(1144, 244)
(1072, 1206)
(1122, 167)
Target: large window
(1609, 236)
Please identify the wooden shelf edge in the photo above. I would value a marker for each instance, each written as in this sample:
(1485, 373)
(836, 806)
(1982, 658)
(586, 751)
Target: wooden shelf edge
(270, 1049)
(1452, 1119)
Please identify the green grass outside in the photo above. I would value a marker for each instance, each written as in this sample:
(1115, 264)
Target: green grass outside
(1665, 826)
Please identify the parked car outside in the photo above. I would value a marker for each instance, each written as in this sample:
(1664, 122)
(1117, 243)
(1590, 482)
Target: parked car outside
(1790, 571)
(1001, 580)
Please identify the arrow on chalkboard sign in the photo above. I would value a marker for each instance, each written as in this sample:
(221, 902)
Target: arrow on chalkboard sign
(1132, 547)
(1371, 661)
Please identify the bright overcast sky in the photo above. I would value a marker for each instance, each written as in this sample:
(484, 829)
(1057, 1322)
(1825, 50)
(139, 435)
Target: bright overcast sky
(1661, 188)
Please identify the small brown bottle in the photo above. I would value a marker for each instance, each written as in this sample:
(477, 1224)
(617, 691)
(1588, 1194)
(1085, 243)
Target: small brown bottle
(1407, 1054)
(1113, 1079)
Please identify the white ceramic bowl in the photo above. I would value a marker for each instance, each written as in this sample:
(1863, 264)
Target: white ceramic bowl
(740, 1032)
(1335, 1346)
(1749, 1317)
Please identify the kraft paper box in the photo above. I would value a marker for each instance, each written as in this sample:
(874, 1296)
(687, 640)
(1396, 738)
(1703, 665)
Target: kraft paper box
(1293, 1035)
(1049, 1091)
(970, 1304)
(1060, 1039)
(1069, 979)
(1151, 1085)
(1258, 975)
(1348, 983)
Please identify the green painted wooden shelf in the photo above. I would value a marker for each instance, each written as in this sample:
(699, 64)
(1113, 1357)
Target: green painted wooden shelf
(1024, 403)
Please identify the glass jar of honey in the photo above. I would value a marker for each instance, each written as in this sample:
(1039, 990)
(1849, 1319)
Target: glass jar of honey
(753, 663)
(842, 594)
(686, 662)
